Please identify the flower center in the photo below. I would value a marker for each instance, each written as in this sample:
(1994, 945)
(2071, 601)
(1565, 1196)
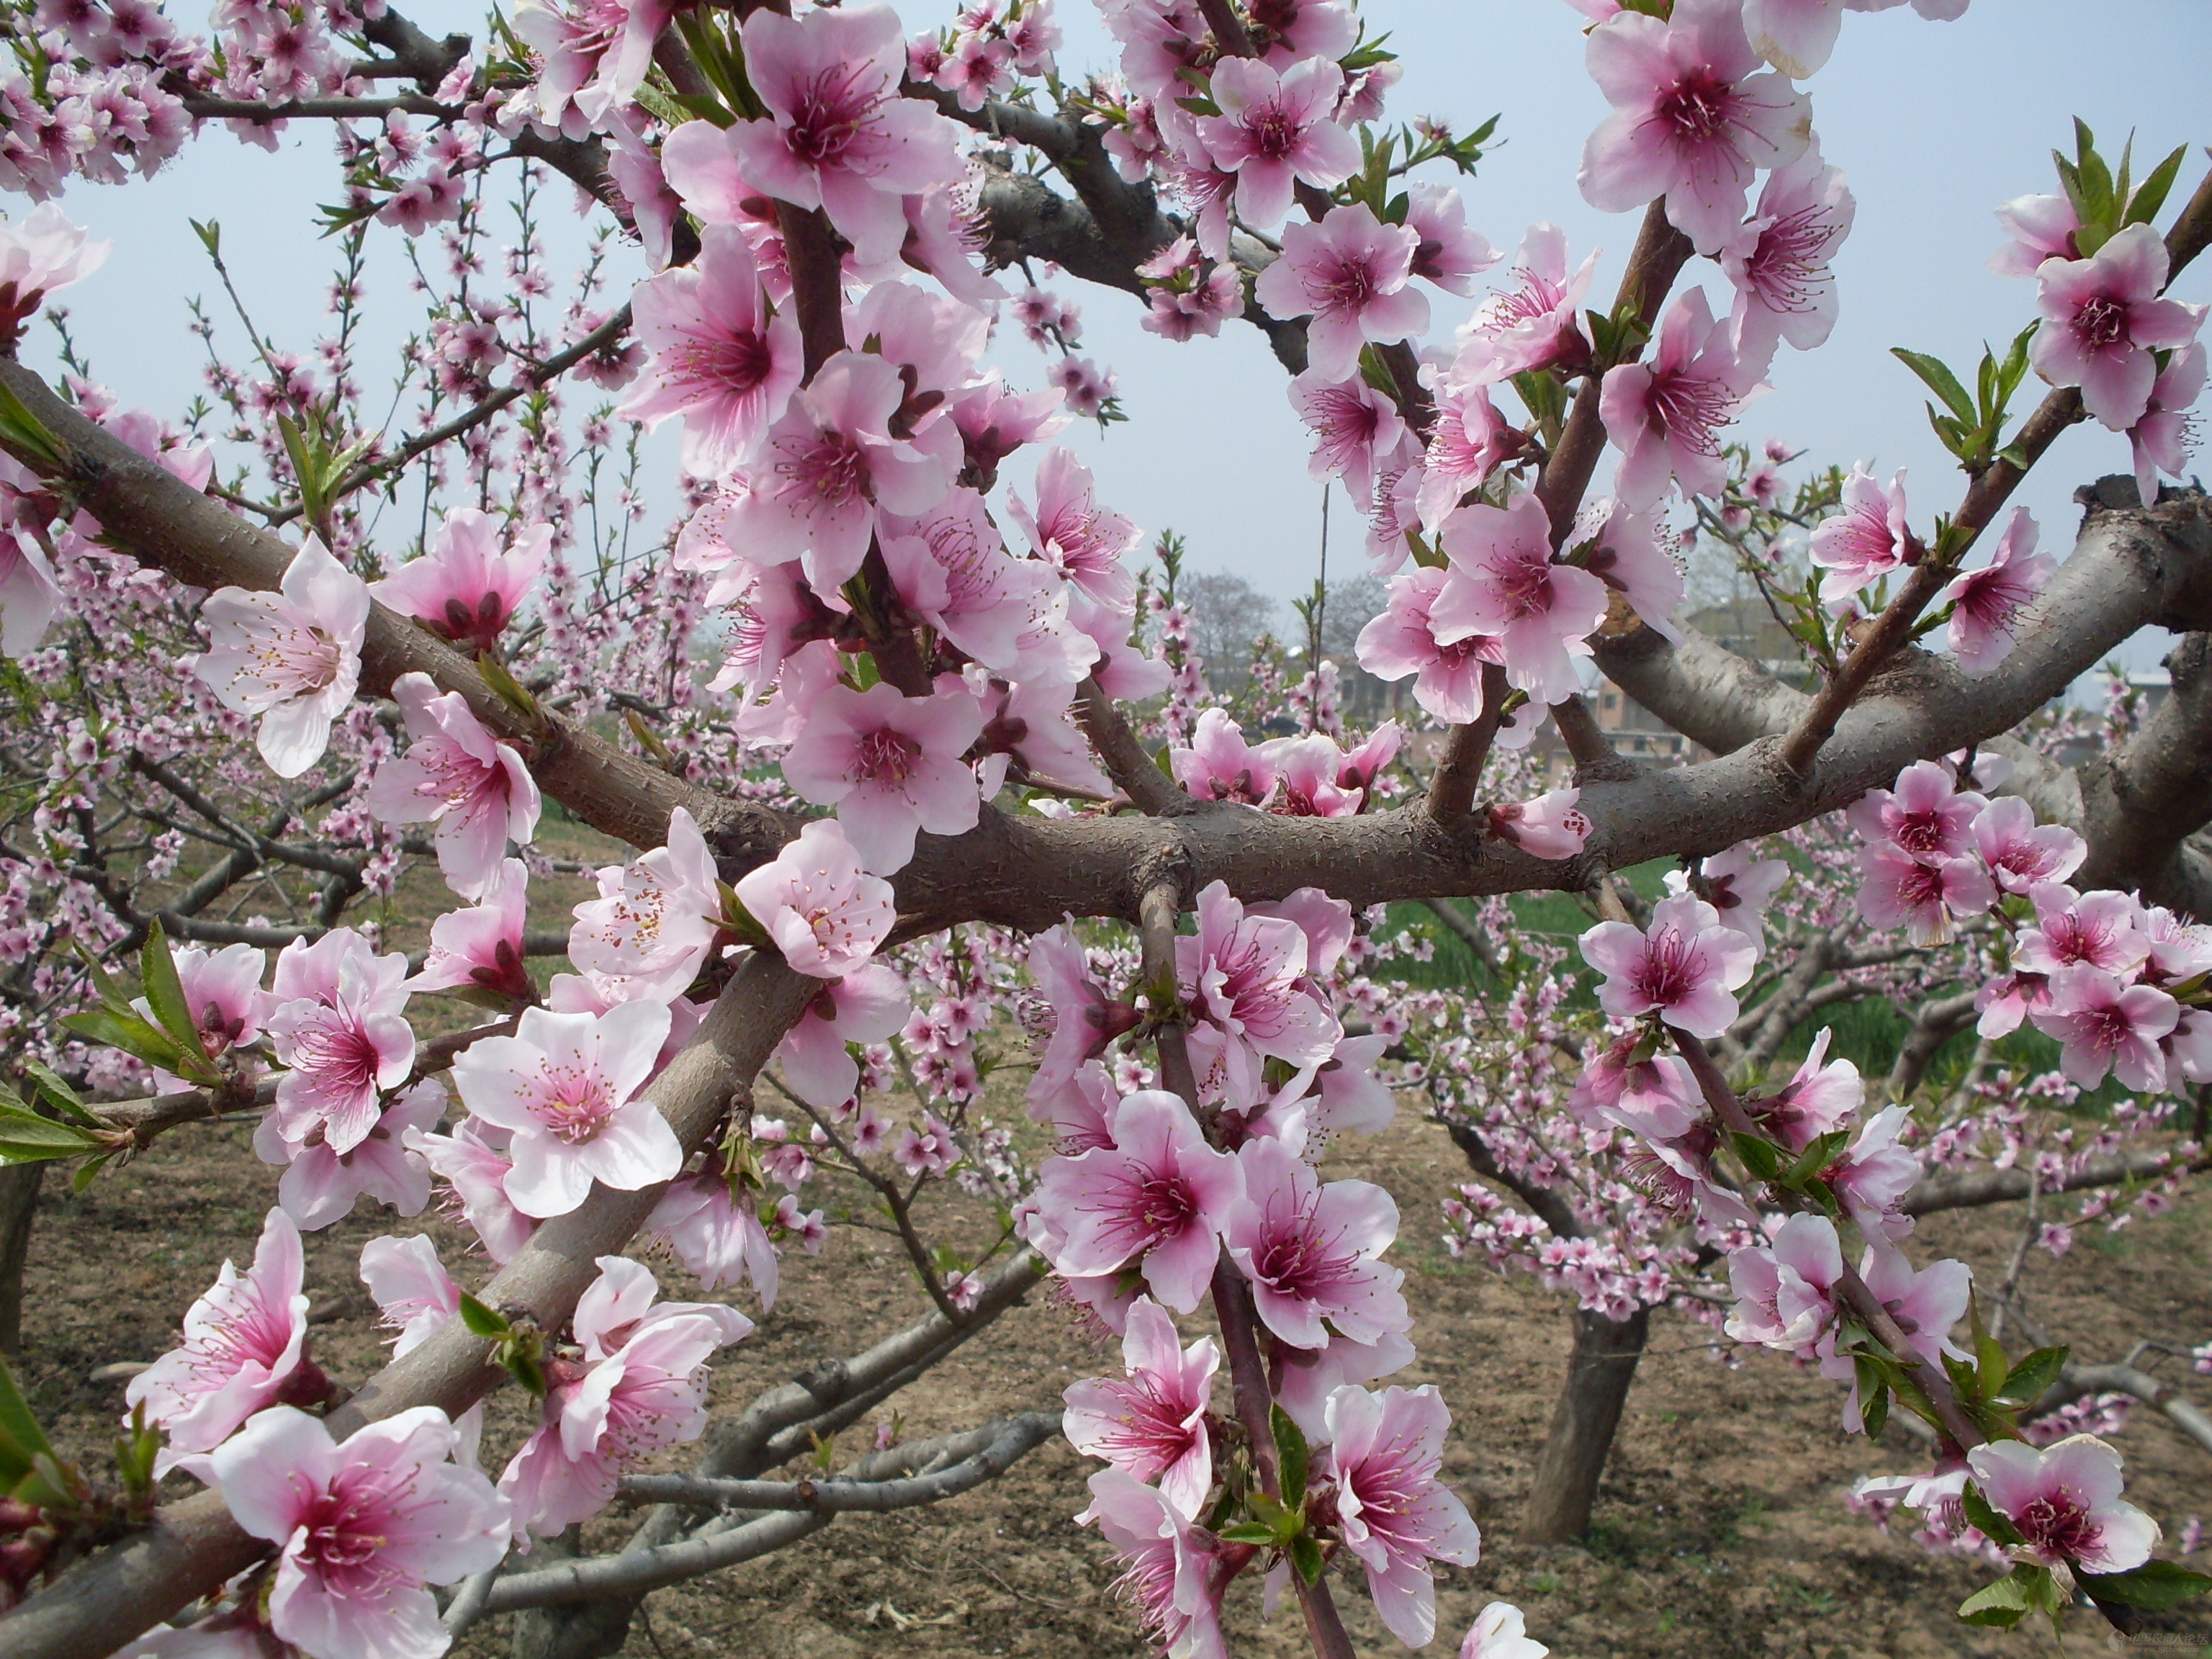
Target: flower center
(1688, 407)
(1349, 286)
(1699, 108)
(831, 114)
(737, 362)
(885, 756)
(1671, 969)
(2056, 1523)
(831, 469)
(574, 1105)
(1273, 133)
(2102, 323)
(339, 1054)
(1791, 255)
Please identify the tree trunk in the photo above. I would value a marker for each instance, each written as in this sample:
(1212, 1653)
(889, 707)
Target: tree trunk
(1599, 1372)
(19, 1202)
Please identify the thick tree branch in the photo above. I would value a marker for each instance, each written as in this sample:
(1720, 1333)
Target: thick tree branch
(2140, 801)
(1972, 1188)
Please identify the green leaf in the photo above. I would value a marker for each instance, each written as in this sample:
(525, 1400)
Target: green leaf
(27, 1137)
(2035, 1373)
(57, 1092)
(2009, 1600)
(2156, 1586)
(1306, 1557)
(1940, 380)
(1291, 1453)
(2150, 195)
(26, 434)
(1985, 1519)
(1815, 1159)
(1248, 1532)
(165, 992)
(1760, 1155)
(29, 1470)
(134, 1036)
(1874, 1397)
(482, 1321)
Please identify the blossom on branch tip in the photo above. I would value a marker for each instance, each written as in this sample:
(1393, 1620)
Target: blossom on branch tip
(1170, 1572)
(1549, 827)
(2103, 316)
(1386, 1456)
(1276, 130)
(825, 914)
(1927, 814)
(2163, 438)
(292, 657)
(457, 775)
(1780, 258)
(1866, 540)
(2105, 1025)
(1786, 1290)
(1348, 275)
(1402, 641)
(2065, 1501)
(1310, 1250)
(1151, 1424)
(469, 583)
(244, 1344)
(361, 1526)
(1685, 968)
(1503, 584)
(341, 1031)
(564, 1086)
(1665, 416)
(1987, 603)
(1694, 117)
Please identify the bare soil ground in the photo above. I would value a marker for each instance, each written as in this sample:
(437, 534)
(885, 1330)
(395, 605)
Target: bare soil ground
(1721, 1528)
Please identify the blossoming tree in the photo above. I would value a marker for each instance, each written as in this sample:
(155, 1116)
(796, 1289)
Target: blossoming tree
(919, 759)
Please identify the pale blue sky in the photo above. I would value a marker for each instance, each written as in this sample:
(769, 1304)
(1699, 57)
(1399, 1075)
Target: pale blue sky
(1934, 124)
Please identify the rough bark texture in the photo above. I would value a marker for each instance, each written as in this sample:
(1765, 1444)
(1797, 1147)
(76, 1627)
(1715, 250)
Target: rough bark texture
(1599, 1369)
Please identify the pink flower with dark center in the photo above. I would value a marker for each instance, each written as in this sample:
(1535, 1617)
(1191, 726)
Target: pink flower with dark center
(1085, 1020)
(1656, 1097)
(414, 1295)
(2020, 853)
(1867, 540)
(890, 765)
(321, 1184)
(1083, 541)
(1275, 132)
(1822, 1095)
(1871, 1180)
(1450, 253)
(2100, 929)
(244, 1344)
(1927, 814)
(1533, 324)
(976, 70)
(1151, 1425)
(840, 136)
(2163, 438)
(2102, 317)
(1921, 894)
(1353, 424)
(1692, 120)
(1987, 603)
(1470, 441)
(1665, 416)
(1504, 584)
(344, 1036)
(2178, 950)
(1402, 641)
(565, 1087)
(222, 992)
(1307, 768)
(1386, 1456)
(2105, 1026)
(824, 913)
(1348, 275)
(595, 55)
(866, 1007)
(1625, 551)
(480, 949)
(1925, 1303)
(1784, 1293)
(292, 657)
(2065, 1501)
(716, 1234)
(457, 775)
(994, 422)
(472, 1163)
(655, 920)
(811, 491)
(1779, 259)
(361, 1526)
(1686, 967)
(2041, 227)
(1170, 1574)
(1219, 765)
(1247, 975)
(642, 1388)
(1156, 1200)
(1310, 1250)
(951, 567)
(719, 359)
(1549, 827)
(468, 585)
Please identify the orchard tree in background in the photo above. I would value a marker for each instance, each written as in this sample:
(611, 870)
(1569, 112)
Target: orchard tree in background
(929, 775)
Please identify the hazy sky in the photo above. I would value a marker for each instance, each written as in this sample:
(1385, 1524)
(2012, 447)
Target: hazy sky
(1934, 123)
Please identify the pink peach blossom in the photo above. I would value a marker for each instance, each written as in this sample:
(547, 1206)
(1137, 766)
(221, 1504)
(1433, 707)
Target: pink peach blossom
(1927, 814)
(1171, 1575)
(2100, 929)
(1353, 424)
(361, 1526)
(654, 922)
(1867, 540)
(1780, 258)
(1500, 1632)
(1246, 974)
(1451, 254)
(2041, 227)
(1502, 584)
(480, 949)
(1533, 324)
(244, 1344)
(1085, 542)
(2065, 1501)
(1665, 416)
(1310, 1250)
(321, 1183)
(42, 253)
(1386, 1456)
(342, 1031)
(457, 775)
(30, 598)
(565, 1087)
(1784, 1292)
(839, 136)
(866, 1007)
(717, 359)
(1275, 132)
(1348, 275)
(473, 1163)
(2102, 317)
(1403, 641)
(1549, 827)
(1987, 603)
(1692, 120)
(1738, 886)
(716, 1234)
(1921, 894)
(2163, 438)
(1822, 1095)
(292, 657)
(468, 585)
(2104, 1025)
(1470, 441)
(825, 914)
(414, 1293)
(891, 764)
(1219, 765)
(1151, 1424)
(2020, 853)
(1685, 968)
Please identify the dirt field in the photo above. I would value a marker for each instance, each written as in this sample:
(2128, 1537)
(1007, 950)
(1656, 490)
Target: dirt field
(1721, 1528)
